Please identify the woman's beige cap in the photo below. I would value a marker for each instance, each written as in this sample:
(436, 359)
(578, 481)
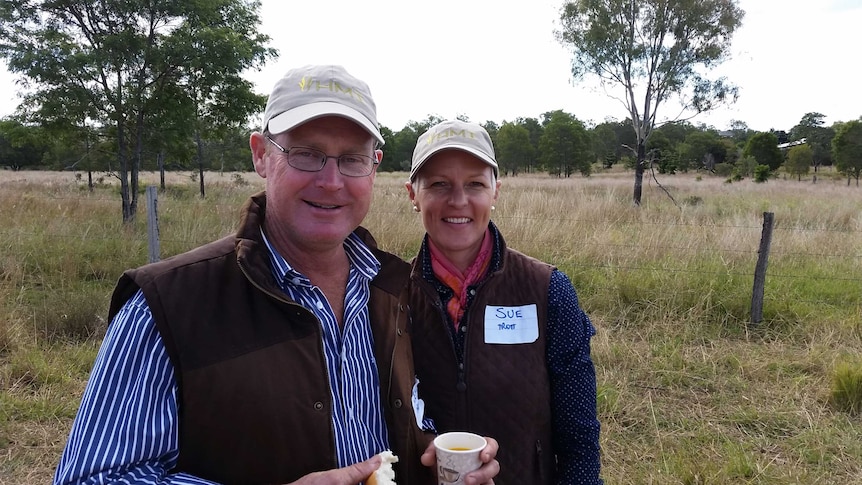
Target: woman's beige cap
(457, 135)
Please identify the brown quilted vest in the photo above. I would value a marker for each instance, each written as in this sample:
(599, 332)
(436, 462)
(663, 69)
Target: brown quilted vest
(503, 390)
(254, 396)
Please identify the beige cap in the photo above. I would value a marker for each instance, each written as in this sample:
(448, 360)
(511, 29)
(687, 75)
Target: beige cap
(310, 92)
(457, 135)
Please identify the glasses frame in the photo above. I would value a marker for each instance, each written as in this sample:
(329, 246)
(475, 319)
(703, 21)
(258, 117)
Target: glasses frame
(326, 157)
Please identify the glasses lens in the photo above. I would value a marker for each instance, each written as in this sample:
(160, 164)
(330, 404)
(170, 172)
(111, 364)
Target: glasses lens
(306, 159)
(355, 165)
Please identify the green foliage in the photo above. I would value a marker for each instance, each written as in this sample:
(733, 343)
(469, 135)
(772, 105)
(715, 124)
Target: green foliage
(745, 167)
(763, 147)
(565, 145)
(761, 173)
(816, 136)
(513, 149)
(701, 150)
(607, 143)
(846, 394)
(723, 169)
(398, 150)
(847, 149)
(799, 160)
(21, 147)
(655, 51)
(660, 151)
(168, 85)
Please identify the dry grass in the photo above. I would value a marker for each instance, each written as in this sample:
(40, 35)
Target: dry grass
(689, 391)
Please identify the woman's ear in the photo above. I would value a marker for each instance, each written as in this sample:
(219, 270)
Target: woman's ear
(410, 192)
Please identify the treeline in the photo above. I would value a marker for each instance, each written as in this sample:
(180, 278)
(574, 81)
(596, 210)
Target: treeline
(560, 144)
(557, 143)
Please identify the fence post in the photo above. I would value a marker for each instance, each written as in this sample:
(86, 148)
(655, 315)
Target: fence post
(760, 269)
(153, 223)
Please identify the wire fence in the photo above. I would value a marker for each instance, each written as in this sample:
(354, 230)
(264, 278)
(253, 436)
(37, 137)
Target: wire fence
(683, 265)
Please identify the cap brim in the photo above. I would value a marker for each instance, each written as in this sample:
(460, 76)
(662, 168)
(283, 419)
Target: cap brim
(292, 118)
(472, 151)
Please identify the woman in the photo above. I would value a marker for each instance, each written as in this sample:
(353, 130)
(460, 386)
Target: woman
(500, 344)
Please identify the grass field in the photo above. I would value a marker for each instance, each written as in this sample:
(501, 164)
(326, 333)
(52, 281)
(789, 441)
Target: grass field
(689, 391)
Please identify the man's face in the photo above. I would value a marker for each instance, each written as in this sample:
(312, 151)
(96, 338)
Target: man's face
(314, 211)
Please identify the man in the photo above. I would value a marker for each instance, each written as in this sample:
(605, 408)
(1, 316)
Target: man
(279, 354)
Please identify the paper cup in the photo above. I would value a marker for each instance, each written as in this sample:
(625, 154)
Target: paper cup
(457, 455)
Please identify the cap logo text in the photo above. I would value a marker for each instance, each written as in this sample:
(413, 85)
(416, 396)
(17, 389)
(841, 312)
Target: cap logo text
(308, 83)
(450, 133)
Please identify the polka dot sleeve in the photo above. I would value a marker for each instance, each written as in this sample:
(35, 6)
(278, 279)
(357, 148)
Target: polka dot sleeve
(573, 385)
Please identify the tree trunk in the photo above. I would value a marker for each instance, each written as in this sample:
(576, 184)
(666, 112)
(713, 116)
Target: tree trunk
(639, 172)
(161, 162)
(123, 161)
(90, 180)
(200, 156)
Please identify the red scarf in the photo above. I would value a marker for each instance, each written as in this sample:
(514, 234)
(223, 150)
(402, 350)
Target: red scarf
(459, 282)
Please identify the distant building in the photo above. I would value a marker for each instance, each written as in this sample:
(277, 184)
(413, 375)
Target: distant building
(791, 144)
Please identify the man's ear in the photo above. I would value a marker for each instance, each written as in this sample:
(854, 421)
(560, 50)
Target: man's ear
(258, 145)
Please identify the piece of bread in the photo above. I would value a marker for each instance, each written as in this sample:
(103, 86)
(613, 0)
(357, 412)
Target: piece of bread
(385, 474)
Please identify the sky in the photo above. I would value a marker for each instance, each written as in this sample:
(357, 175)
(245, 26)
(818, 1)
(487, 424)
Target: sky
(496, 61)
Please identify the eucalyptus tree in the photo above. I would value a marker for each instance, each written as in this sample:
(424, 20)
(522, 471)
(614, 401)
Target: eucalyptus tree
(513, 149)
(565, 146)
(799, 160)
(21, 147)
(847, 149)
(606, 145)
(657, 51)
(817, 136)
(110, 62)
(763, 147)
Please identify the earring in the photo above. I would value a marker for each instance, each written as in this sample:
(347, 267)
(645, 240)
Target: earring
(493, 208)
(415, 209)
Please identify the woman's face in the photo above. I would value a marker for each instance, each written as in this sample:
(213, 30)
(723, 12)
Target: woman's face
(454, 192)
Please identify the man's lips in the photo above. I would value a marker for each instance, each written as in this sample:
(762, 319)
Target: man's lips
(322, 206)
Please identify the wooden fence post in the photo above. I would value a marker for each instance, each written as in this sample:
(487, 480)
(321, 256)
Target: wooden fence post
(760, 269)
(153, 224)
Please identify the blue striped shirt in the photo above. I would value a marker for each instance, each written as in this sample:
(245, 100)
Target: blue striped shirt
(126, 429)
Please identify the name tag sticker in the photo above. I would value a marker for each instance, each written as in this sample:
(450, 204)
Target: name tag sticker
(511, 324)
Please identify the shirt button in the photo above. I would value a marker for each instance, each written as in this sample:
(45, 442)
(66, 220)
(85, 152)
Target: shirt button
(398, 404)
(463, 328)
(398, 332)
(318, 406)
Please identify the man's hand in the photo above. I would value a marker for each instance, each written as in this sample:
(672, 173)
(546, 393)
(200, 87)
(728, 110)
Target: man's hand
(350, 475)
(484, 475)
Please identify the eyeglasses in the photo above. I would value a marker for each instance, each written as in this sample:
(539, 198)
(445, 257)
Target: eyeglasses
(313, 160)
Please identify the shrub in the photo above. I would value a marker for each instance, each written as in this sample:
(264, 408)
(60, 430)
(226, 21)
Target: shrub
(723, 169)
(761, 173)
(847, 387)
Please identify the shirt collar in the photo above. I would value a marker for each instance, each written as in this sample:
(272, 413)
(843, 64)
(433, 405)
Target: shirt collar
(496, 255)
(361, 259)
